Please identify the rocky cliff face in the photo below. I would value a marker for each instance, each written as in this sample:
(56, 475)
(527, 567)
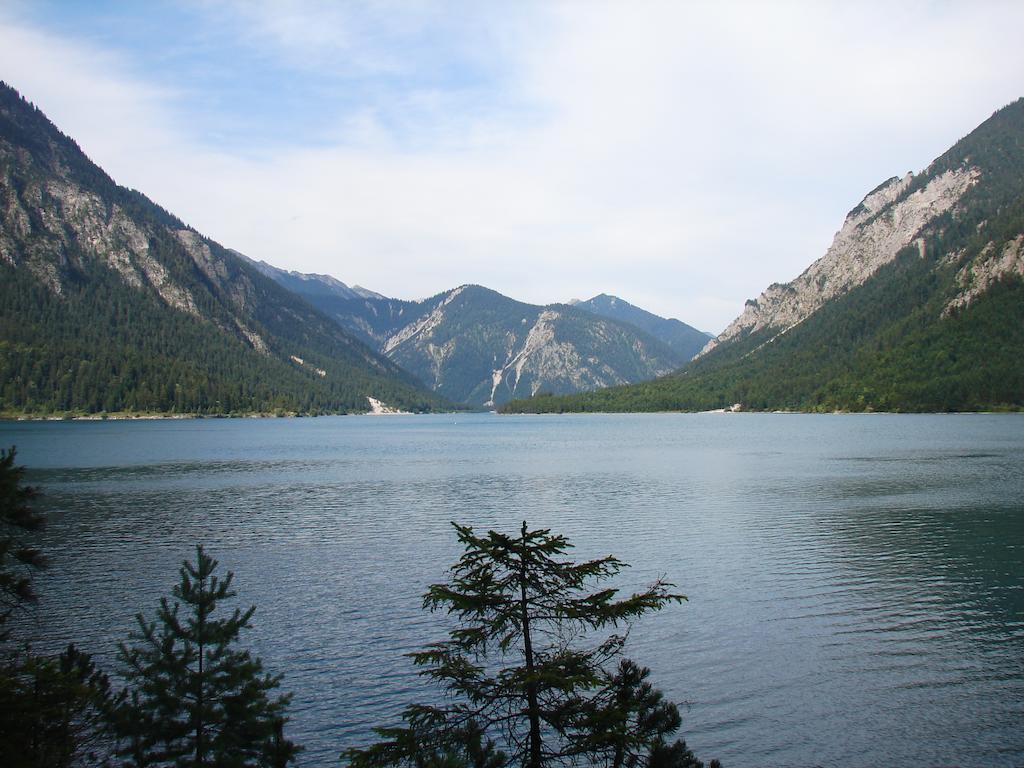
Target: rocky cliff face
(92, 270)
(686, 340)
(889, 219)
(989, 267)
(918, 305)
(473, 345)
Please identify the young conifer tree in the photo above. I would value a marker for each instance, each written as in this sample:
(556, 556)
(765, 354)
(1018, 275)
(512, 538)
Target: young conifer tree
(520, 671)
(18, 560)
(193, 699)
(52, 708)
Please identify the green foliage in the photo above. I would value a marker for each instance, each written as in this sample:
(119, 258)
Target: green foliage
(426, 743)
(51, 708)
(53, 711)
(520, 668)
(18, 559)
(627, 724)
(684, 339)
(77, 337)
(192, 698)
(890, 344)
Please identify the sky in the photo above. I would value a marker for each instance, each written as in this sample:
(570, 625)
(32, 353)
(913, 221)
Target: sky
(680, 155)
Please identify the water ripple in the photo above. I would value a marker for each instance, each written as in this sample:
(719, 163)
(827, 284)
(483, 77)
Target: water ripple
(856, 584)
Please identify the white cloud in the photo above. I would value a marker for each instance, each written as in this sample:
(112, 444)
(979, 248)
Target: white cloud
(681, 155)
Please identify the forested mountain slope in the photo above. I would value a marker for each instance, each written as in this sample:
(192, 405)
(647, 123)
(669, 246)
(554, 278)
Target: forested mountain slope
(917, 306)
(686, 340)
(110, 303)
(476, 346)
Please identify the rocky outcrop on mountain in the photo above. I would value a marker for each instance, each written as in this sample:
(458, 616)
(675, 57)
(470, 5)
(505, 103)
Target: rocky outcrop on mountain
(985, 270)
(476, 346)
(686, 340)
(918, 305)
(473, 345)
(889, 219)
(108, 302)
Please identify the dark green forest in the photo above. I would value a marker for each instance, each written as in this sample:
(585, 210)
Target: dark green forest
(76, 337)
(103, 347)
(890, 344)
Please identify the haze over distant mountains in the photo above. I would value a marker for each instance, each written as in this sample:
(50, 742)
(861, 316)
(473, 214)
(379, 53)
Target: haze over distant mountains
(310, 285)
(473, 345)
(111, 304)
(918, 305)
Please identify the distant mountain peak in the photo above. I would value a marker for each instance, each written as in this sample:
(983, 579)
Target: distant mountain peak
(684, 339)
(310, 282)
(472, 344)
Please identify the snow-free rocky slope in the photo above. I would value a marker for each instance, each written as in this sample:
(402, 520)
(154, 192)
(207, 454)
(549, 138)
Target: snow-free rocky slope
(686, 340)
(110, 303)
(917, 305)
(474, 345)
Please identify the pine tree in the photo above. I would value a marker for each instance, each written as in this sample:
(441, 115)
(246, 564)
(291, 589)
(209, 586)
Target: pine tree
(18, 560)
(54, 711)
(518, 669)
(192, 698)
(51, 707)
(627, 723)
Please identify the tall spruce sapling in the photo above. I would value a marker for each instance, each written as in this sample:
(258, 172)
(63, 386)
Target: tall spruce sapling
(521, 672)
(192, 698)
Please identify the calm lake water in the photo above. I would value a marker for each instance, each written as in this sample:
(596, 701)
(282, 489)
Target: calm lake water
(855, 583)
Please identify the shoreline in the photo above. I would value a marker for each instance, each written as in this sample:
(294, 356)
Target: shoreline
(389, 412)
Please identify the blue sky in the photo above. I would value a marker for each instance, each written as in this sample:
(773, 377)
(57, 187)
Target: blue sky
(680, 155)
(254, 77)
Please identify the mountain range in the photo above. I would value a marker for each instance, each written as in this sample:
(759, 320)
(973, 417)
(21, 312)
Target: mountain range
(686, 340)
(918, 305)
(109, 303)
(473, 345)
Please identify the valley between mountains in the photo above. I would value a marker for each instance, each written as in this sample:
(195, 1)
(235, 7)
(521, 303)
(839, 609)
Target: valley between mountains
(109, 304)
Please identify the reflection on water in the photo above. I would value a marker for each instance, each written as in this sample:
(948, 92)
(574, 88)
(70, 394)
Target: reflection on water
(856, 583)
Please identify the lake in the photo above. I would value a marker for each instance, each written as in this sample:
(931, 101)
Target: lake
(855, 582)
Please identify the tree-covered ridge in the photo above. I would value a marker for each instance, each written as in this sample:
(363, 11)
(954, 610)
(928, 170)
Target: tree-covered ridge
(474, 345)
(686, 340)
(109, 303)
(941, 328)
